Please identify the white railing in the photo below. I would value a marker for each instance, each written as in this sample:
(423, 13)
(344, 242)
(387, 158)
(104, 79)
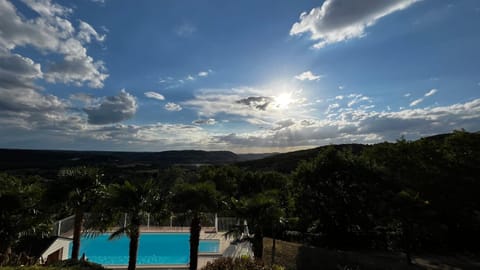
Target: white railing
(176, 222)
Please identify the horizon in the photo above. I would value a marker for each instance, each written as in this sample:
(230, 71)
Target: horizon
(247, 77)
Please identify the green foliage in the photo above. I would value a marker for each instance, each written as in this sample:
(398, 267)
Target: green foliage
(196, 198)
(20, 211)
(335, 196)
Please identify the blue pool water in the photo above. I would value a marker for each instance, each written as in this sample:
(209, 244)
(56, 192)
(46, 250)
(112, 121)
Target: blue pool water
(154, 248)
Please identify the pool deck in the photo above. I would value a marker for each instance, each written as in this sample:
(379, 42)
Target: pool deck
(207, 233)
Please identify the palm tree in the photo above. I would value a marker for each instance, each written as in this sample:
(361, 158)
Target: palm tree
(134, 199)
(195, 199)
(79, 188)
(260, 211)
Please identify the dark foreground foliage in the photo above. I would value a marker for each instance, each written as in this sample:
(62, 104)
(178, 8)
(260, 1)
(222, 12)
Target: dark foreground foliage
(77, 265)
(226, 263)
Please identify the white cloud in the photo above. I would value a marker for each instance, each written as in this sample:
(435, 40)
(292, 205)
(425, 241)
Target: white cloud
(258, 106)
(308, 75)
(51, 33)
(203, 73)
(407, 95)
(340, 20)
(112, 109)
(420, 100)
(77, 71)
(86, 32)
(332, 107)
(416, 102)
(185, 29)
(154, 95)
(47, 8)
(431, 92)
(173, 107)
(360, 126)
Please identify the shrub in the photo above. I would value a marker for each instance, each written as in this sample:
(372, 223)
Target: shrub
(80, 265)
(243, 263)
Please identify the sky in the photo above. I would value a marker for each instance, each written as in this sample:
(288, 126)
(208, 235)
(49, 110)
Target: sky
(246, 76)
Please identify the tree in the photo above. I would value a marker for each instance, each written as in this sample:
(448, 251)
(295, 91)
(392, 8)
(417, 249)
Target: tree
(79, 188)
(335, 196)
(261, 211)
(134, 199)
(19, 210)
(195, 199)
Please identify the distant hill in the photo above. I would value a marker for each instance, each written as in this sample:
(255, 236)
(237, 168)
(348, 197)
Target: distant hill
(11, 159)
(287, 162)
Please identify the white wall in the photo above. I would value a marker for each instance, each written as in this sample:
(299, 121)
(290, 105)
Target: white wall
(56, 245)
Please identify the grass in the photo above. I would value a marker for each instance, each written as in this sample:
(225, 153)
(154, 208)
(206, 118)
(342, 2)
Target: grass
(295, 256)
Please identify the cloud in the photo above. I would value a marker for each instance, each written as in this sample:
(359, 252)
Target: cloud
(360, 126)
(341, 20)
(17, 71)
(416, 102)
(86, 32)
(51, 33)
(173, 107)
(77, 71)
(420, 100)
(431, 92)
(209, 121)
(185, 30)
(86, 99)
(154, 95)
(112, 109)
(204, 73)
(255, 106)
(332, 107)
(284, 124)
(308, 75)
(259, 103)
(47, 8)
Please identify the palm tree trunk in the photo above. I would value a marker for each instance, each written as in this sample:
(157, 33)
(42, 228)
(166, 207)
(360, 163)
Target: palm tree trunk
(195, 228)
(133, 249)
(77, 233)
(257, 244)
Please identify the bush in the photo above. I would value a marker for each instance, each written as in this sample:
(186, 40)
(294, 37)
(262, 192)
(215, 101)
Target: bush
(227, 263)
(78, 265)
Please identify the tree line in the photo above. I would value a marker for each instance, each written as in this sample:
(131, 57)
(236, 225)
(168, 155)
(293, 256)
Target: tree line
(409, 195)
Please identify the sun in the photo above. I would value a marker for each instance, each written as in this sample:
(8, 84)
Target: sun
(283, 100)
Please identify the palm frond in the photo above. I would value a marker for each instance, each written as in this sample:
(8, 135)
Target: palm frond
(118, 233)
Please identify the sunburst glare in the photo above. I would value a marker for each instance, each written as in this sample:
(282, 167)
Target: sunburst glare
(283, 100)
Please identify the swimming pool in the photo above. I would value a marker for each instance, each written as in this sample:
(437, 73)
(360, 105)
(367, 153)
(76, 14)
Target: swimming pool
(154, 248)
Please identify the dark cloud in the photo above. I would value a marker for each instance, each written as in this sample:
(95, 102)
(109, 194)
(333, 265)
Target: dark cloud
(112, 109)
(17, 71)
(209, 121)
(259, 103)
